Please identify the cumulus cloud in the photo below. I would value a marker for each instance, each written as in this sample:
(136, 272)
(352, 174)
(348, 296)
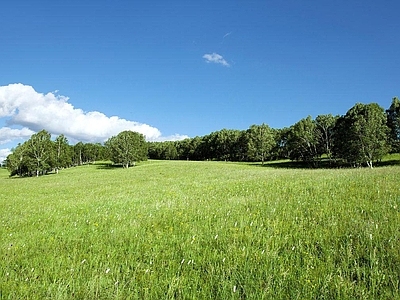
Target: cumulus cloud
(8, 134)
(174, 137)
(33, 111)
(215, 58)
(3, 154)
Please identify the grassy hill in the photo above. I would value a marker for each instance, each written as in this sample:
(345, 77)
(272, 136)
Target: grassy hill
(201, 230)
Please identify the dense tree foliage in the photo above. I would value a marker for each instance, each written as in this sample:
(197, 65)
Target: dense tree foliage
(303, 141)
(127, 148)
(325, 126)
(393, 122)
(325, 138)
(360, 137)
(40, 155)
(261, 140)
(63, 157)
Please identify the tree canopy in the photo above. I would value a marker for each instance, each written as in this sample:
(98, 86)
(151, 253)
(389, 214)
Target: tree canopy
(360, 137)
(127, 148)
(361, 134)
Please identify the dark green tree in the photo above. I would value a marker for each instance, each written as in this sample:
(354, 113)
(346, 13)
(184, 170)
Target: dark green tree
(127, 148)
(304, 140)
(393, 122)
(78, 154)
(169, 150)
(63, 155)
(261, 140)
(360, 136)
(281, 149)
(18, 162)
(325, 125)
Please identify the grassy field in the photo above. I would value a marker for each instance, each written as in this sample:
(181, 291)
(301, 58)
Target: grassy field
(201, 230)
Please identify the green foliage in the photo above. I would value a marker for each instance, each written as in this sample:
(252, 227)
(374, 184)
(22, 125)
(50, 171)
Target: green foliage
(304, 140)
(201, 230)
(162, 150)
(261, 140)
(393, 122)
(84, 153)
(39, 155)
(361, 135)
(63, 157)
(127, 148)
(35, 156)
(39, 149)
(325, 125)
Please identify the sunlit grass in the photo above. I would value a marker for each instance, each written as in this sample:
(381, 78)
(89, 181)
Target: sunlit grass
(201, 230)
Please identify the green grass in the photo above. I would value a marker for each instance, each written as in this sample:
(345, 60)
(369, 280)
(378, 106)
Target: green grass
(201, 230)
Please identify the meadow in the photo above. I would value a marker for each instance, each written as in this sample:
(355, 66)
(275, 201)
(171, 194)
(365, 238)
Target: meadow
(201, 230)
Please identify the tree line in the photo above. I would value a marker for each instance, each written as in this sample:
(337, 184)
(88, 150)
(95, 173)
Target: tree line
(360, 137)
(40, 154)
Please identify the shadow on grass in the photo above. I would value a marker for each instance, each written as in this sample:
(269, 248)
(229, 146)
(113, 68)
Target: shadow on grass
(288, 164)
(391, 162)
(323, 164)
(107, 166)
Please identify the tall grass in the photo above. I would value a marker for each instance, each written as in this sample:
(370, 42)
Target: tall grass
(201, 230)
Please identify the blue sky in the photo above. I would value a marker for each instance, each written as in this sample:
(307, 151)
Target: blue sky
(188, 68)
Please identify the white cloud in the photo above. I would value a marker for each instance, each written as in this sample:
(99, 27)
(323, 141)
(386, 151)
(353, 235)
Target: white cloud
(227, 34)
(174, 137)
(3, 154)
(215, 58)
(8, 134)
(24, 107)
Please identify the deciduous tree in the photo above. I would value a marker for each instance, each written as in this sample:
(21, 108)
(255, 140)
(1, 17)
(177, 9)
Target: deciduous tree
(393, 122)
(127, 148)
(260, 142)
(39, 148)
(303, 141)
(63, 155)
(361, 135)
